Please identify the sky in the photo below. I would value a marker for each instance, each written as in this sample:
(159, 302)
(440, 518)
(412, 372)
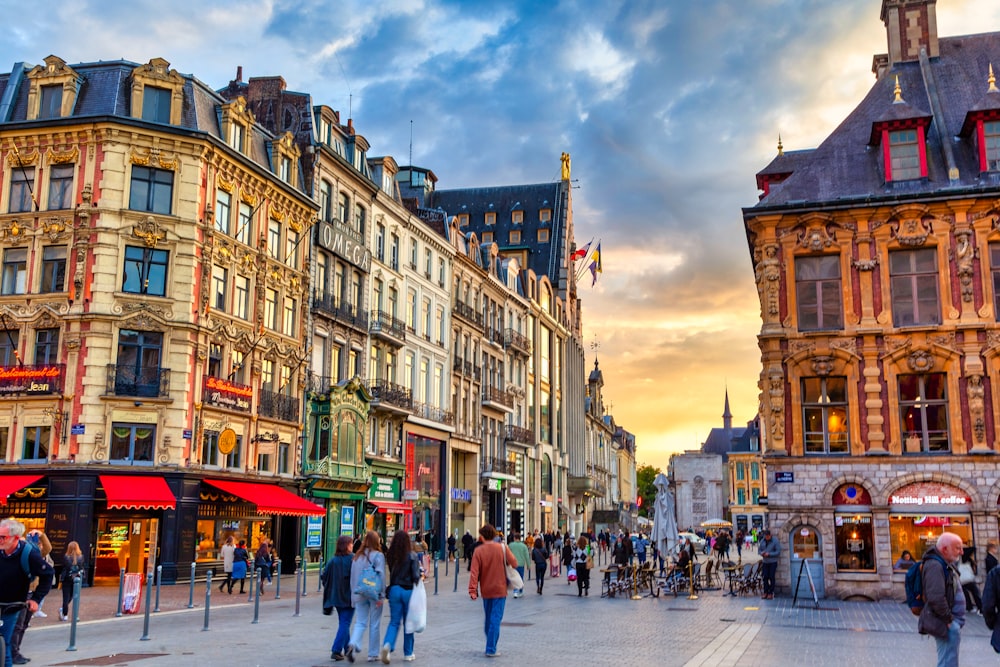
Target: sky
(667, 107)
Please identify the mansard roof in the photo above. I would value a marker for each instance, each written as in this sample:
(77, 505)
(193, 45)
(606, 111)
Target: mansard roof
(844, 168)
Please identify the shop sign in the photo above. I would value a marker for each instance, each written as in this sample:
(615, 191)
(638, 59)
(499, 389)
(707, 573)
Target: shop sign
(314, 532)
(515, 490)
(784, 477)
(77, 429)
(494, 484)
(929, 493)
(31, 379)
(222, 393)
(334, 237)
(227, 441)
(347, 520)
(461, 495)
(384, 488)
(411, 494)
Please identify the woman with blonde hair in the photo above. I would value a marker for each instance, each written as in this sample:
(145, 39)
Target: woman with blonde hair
(368, 613)
(73, 566)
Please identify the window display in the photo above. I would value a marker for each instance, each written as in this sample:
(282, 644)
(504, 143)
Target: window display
(855, 542)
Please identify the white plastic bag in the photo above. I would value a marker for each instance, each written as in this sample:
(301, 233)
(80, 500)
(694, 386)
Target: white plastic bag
(416, 613)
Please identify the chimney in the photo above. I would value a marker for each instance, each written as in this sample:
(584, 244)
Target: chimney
(239, 74)
(910, 25)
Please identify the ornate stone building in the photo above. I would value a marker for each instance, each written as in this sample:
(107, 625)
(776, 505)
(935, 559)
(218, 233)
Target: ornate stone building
(877, 256)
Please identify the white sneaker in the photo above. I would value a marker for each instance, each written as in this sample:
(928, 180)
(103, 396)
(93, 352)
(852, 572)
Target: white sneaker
(41, 614)
(384, 654)
(63, 617)
(409, 658)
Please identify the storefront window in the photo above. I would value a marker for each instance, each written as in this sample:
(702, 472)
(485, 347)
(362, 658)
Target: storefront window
(805, 543)
(920, 512)
(855, 542)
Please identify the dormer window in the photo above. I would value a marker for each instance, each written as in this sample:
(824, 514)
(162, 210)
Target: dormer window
(517, 217)
(52, 89)
(491, 218)
(904, 153)
(157, 93)
(545, 215)
(236, 122)
(238, 138)
(991, 140)
(284, 156)
(463, 219)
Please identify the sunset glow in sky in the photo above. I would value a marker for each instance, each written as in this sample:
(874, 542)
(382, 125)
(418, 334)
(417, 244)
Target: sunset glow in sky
(668, 108)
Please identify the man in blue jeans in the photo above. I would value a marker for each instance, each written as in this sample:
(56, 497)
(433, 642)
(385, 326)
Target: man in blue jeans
(14, 582)
(488, 579)
(943, 614)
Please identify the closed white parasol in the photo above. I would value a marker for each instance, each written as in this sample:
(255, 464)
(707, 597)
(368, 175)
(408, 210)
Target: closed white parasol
(664, 534)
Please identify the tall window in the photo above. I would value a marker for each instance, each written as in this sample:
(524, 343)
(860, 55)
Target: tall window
(61, 187)
(53, 269)
(15, 271)
(291, 257)
(138, 368)
(152, 190)
(132, 443)
(343, 206)
(50, 105)
(904, 155)
(8, 347)
(238, 139)
(326, 200)
(36, 443)
(995, 273)
(923, 410)
(271, 309)
(359, 219)
(824, 415)
(380, 242)
(244, 228)
(223, 210)
(817, 287)
(274, 239)
(913, 281)
(394, 253)
(288, 317)
(413, 253)
(991, 130)
(740, 471)
(22, 183)
(46, 347)
(156, 104)
(145, 271)
(238, 368)
(215, 360)
(220, 280)
(241, 297)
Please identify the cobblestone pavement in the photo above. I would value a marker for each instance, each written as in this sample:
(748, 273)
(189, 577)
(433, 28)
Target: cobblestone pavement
(715, 629)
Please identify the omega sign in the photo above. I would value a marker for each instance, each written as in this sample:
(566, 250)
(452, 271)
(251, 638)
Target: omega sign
(334, 239)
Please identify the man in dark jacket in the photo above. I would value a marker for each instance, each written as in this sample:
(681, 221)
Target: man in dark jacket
(468, 544)
(991, 606)
(944, 612)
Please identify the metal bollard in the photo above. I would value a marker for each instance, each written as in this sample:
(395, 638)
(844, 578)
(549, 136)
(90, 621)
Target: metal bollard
(447, 561)
(121, 591)
(435, 576)
(76, 614)
(277, 583)
(298, 589)
(456, 577)
(159, 573)
(319, 579)
(251, 580)
(208, 598)
(191, 592)
(145, 620)
(256, 600)
(305, 571)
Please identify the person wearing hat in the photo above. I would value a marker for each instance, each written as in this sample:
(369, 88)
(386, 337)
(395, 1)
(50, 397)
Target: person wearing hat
(769, 550)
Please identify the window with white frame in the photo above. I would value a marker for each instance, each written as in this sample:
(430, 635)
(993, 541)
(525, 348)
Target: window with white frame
(60, 187)
(241, 297)
(220, 281)
(913, 283)
(223, 211)
(817, 288)
(15, 271)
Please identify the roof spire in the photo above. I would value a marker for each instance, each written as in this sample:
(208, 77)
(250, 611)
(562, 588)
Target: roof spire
(993, 82)
(727, 416)
(781, 149)
(898, 93)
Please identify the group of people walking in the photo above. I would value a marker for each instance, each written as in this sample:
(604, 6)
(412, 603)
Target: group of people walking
(236, 562)
(359, 582)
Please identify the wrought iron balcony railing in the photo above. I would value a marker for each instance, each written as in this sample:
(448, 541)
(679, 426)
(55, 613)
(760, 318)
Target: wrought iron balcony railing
(145, 382)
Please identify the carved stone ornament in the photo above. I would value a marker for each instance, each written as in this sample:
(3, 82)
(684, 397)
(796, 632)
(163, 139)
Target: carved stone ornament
(920, 361)
(149, 231)
(816, 238)
(976, 393)
(865, 264)
(63, 157)
(13, 232)
(912, 232)
(54, 227)
(822, 365)
(964, 254)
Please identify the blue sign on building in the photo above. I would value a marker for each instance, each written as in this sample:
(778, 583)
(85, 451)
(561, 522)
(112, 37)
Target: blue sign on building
(784, 477)
(347, 520)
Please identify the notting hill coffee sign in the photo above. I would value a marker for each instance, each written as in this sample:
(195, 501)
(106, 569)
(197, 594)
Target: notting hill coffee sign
(930, 493)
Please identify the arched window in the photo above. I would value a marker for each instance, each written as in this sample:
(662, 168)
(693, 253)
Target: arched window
(546, 474)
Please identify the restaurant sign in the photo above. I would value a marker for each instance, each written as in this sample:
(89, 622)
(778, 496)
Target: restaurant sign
(31, 379)
(222, 393)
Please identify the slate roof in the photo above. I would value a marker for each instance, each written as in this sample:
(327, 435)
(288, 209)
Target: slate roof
(845, 168)
(543, 258)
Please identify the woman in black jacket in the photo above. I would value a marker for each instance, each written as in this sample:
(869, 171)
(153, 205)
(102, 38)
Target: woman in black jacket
(337, 594)
(404, 573)
(540, 557)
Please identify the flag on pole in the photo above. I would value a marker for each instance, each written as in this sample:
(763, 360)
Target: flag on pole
(595, 264)
(582, 252)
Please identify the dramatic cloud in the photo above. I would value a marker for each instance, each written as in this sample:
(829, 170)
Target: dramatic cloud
(668, 107)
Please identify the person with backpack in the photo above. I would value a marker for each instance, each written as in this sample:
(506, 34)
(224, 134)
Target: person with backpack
(367, 595)
(540, 557)
(20, 565)
(943, 612)
(73, 566)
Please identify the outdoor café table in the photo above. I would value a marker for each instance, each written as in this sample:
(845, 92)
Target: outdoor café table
(731, 571)
(606, 580)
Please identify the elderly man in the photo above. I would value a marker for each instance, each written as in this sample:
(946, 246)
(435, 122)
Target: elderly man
(943, 614)
(15, 582)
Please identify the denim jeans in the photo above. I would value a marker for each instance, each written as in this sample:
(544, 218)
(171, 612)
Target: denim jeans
(520, 571)
(947, 649)
(399, 603)
(344, 617)
(9, 620)
(494, 614)
(368, 614)
(767, 574)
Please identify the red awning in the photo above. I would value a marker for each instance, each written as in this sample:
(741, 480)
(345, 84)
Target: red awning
(138, 492)
(11, 483)
(390, 507)
(268, 498)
